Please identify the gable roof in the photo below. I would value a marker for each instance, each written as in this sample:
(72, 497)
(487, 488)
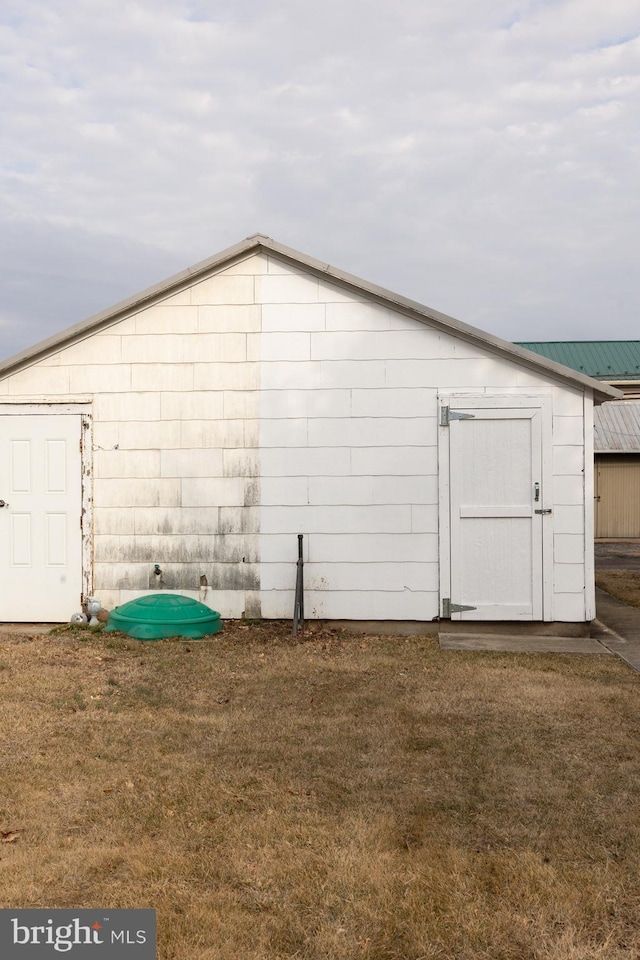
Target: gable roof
(602, 359)
(259, 243)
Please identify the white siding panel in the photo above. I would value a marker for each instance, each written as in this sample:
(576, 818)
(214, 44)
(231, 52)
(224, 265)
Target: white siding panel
(180, 299)
(352, 576)
(529, 379)
(126, 463)
(336, 519)
(305, 403)
(569, 607)
(51, 361)
(349, 316)
(100, 348)
(230, 604)
(293, 317)
(149, 434)
(254, 342)
(216, 347)
(452, 347)
(568, 577)
(93, 378)
(223, 289)
(388, 547)
(424, 519)
(354, 605)
(116, 521)
(568, 460)
(122, 577)
(225, 376)
(229, 318)
(161, 376)
(251, 433)
(394, 461)
(151, 521)
(285, 346)
(239, 404)
(275, 491)
(281, 548)
(156, 348)
(341, 490)
(415, 402)
(240, 463)
(569, 519)
(348, 374)
(332, 293)
(256, 264)
(305, 462)
(411, 489)
(39, 381)
(449, 374)
(568, 430)
(232, 520)
(568, 490)
(278, 267)
(106, 435)
(161, 319)
(163, 549)
(109, 598)
(120, 406)
(373, 431)
(192, 405)
(212, 433)
(136, 492)
(191, 463)
(567, 402)
(212, 491)
(281, 433)
(391, 344)
(286, 289)
(568, 548)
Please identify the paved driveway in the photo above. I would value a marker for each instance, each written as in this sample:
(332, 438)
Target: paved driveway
(617, 554)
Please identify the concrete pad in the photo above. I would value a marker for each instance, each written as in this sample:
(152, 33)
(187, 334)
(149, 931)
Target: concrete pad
(26, 629)
(520, 643)
(619, 628)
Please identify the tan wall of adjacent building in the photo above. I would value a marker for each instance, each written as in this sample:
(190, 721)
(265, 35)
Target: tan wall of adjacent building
(617, 490)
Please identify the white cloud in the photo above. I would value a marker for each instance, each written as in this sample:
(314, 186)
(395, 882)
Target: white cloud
(480, 156)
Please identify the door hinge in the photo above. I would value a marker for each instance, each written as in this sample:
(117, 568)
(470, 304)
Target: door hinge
(447, 415)
(448, 608)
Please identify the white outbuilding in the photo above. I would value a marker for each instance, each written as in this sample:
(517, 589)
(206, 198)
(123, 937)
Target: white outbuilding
(195, 429)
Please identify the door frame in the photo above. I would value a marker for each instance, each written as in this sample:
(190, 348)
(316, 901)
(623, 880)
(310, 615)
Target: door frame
(467, 401)
(24, 408)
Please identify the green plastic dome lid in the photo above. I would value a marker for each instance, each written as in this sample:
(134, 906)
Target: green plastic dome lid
(162, 615)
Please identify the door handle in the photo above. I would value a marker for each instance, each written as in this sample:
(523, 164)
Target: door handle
(536, 492)
(3, 503)
(542, 511)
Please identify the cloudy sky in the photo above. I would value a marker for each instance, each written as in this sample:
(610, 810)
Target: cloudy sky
(480, 156)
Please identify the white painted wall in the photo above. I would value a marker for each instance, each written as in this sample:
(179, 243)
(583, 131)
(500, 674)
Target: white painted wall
(262, 402)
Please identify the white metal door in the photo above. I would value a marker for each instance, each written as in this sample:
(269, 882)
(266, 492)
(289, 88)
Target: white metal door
(40, 534)
(496, 519)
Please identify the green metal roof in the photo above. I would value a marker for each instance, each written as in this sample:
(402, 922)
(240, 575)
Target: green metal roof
(601, 359)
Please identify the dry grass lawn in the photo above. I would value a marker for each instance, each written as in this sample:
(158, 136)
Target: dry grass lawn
(336, 798)
(623, 584)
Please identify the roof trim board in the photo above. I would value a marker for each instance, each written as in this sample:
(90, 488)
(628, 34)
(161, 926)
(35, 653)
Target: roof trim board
(260, 243)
